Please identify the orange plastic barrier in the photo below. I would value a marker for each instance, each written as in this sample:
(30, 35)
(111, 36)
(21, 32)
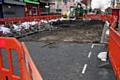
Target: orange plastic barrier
(113, 48)
(114, 51)
(32, 18)
(109, 18)
(27, 69)
(4, 20)
(9, 44)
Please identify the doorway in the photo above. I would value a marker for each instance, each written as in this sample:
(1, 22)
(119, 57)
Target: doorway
(32, 10)
(1, 11)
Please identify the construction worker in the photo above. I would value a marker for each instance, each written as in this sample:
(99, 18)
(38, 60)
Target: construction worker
(68, 15)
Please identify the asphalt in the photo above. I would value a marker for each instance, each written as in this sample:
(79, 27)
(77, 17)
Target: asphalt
(69, 61)
(65, 61)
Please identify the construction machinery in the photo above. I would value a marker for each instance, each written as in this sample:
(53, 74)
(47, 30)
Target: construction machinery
(76, 11)
(79, 11)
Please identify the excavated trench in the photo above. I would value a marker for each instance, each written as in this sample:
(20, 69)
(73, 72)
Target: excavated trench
(70, 31)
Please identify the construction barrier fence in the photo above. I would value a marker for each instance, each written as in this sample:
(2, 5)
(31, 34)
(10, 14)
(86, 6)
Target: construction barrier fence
(110, 18)
(27, 19)
(114, 51)
(27, 69)
(22, 26)
(114, 43)
(29, 66)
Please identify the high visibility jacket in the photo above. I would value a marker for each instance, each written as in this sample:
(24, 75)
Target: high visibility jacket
(68, 15)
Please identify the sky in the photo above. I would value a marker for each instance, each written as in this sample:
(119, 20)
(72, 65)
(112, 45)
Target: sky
(101, 4)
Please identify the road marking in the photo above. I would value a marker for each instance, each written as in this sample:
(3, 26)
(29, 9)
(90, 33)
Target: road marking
(84, 69)
(98, 44)
(89, 55)
(92, 46)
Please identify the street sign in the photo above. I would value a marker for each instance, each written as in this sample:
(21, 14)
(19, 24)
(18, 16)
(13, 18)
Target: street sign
(47, 4)
(65, 2)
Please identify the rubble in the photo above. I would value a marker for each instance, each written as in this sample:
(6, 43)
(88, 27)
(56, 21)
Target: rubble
(77, 31)
(26, 28)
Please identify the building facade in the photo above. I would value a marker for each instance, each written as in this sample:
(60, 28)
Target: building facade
(44, 10)
(116, 4)
(20, 8)
(1, 9)
(87, 2)
(13, 8)
(32, 8)
(64, 5)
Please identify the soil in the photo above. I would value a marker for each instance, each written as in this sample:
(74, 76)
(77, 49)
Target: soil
(72, 31)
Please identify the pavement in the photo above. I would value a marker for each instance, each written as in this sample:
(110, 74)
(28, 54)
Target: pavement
(69, 61)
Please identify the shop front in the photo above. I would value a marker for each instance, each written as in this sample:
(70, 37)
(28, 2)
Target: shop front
(32, 8)
(13, 8)
(0, 8)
